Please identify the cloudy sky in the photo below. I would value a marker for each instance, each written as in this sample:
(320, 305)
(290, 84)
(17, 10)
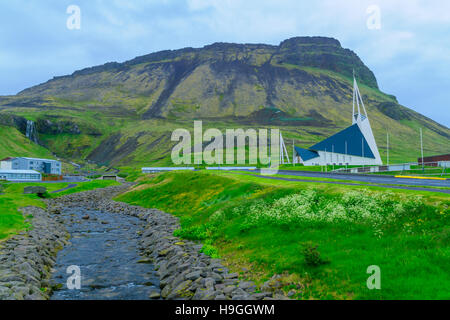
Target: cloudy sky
(409, 53)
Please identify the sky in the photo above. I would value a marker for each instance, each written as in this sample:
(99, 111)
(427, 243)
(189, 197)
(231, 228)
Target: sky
(406, 43)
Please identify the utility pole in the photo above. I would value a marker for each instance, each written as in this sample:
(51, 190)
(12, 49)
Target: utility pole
(387, 139)
(293, 153)
(332, 153)
(281, 150)
(421, 149)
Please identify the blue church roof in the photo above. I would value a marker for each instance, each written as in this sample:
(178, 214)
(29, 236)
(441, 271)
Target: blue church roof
(306, 154)
(356, 143)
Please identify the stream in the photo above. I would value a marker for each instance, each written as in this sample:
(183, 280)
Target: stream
(105, 248)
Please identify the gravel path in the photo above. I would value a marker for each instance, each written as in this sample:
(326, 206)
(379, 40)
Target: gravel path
(70, 186)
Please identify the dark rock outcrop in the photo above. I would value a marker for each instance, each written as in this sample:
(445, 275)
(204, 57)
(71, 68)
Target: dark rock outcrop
(56, 127)
(34, 190)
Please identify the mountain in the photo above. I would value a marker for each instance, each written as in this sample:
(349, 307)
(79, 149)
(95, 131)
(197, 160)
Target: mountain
(124, 113)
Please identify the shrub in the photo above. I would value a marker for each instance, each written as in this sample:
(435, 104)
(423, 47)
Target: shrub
(210, 250)
(44, 195)
(191, 233)
(312, 255)
(374, 209)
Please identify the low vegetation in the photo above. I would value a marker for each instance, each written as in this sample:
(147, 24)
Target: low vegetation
(12, 198)
(325, 236)
(13, 143)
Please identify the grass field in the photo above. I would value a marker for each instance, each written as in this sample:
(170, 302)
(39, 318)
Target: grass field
(324, 236)
(418, 171)
(12, 221)
(13, 143)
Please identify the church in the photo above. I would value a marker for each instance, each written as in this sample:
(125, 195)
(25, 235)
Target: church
(354, 145)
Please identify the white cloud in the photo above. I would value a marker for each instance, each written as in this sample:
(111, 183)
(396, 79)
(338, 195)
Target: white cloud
(412, 43)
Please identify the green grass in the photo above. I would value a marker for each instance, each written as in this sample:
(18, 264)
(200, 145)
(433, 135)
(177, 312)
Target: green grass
(13, 143)
(85, 186)
(417, 171)
(12, 221)
(412, 249)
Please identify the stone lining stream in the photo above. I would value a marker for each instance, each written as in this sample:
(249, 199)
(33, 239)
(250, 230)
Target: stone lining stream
(117, 248)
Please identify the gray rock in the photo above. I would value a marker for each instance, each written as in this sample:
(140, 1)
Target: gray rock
(278, 296)
(239, 292)
(34, 189)
(231, 275)
(247, 285)
(208, 295)
(291, 293)
(5, 292)
(209, 283)
(181, 291)
(193, 275)
(154, 295)
(240, 297)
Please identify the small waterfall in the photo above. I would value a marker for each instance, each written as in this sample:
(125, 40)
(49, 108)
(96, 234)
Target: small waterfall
(31, 131)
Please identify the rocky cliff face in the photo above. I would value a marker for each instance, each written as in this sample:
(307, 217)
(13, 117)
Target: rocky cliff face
(218, 80)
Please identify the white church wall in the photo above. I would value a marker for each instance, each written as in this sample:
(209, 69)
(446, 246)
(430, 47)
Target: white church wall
(330, 158)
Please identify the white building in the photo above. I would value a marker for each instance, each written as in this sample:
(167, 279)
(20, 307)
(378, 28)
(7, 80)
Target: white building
(47, 166)
(20, 175)
(354, 145)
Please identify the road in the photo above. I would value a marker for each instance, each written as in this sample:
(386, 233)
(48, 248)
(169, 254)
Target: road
(380, 179)
(369, 180)
(70, 186)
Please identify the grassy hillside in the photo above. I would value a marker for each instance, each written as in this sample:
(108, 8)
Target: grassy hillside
(324, 237)
(14, 143)
(124, 113)
(12, 198)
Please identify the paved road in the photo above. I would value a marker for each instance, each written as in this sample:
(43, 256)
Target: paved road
(380, 179)
(70, 186)
(375, 180)
(355, 184)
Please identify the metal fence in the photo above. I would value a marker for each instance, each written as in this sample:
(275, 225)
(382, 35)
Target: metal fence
(437, 168)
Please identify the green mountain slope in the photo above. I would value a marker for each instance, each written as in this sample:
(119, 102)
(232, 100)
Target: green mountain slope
(14, 143)
(124, 113)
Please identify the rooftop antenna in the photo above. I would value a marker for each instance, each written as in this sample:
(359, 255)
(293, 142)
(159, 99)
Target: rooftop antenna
(421, 149)
(387, 142)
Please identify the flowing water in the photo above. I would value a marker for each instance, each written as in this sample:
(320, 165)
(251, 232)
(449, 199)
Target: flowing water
(105, 248)
(31, 131)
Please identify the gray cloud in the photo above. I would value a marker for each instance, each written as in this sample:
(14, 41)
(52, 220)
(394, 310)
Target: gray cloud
(409, 54)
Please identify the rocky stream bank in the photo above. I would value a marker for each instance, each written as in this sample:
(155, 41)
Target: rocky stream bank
(184, 272)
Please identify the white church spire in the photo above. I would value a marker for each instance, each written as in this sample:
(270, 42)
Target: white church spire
(358, 102)
(362, 119)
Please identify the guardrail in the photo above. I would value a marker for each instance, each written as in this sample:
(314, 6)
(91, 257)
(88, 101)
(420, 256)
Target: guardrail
(160, 169)
(438, 168)
(230, 168)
